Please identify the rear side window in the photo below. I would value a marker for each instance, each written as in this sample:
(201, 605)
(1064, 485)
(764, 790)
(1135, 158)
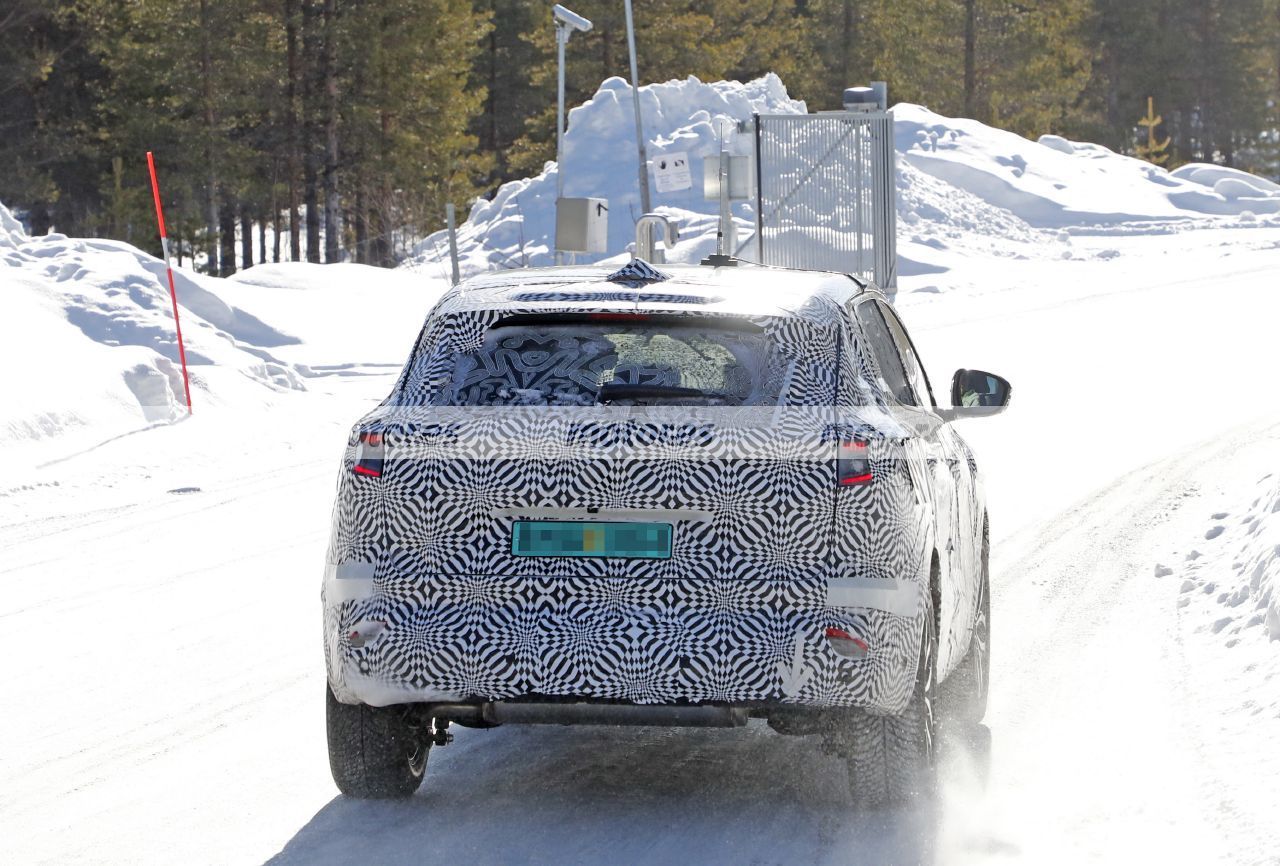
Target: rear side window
(886, 354)
(911, 361)
(582, 363)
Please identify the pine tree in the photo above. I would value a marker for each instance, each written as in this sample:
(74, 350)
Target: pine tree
(410, 103)
(1035, 65)
(187, 86)
(1153, 150)
(501, 71)
(49, 134)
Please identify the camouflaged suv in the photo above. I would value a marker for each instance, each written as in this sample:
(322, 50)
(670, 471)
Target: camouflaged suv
(693, 496)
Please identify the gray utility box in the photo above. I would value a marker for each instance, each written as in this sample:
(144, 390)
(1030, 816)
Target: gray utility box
(582, 225)
(740, 177)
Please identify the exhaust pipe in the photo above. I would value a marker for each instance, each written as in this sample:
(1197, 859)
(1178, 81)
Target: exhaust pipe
(517, 713)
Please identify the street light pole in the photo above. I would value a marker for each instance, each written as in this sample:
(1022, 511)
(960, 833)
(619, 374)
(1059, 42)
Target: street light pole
(635, 96)
(566, 22)
(562, 38)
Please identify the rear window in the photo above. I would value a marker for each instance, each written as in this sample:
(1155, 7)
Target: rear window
(584, 363)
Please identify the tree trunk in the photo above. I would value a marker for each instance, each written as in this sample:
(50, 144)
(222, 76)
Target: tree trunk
(227, 227)
(489, 138)
(246, 239)
(310, 157)
(311, 198)
(362, 225)
(291, 126)
(262, 238)
(379, 248)
(970, 58)
(210, 123)
(332, 232)
(849, 44)
(41, 221)
(380, 209)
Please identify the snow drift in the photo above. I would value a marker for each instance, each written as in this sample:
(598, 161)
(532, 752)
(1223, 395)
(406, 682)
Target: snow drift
(1230, 579)
(1055, 182)
(90, 344)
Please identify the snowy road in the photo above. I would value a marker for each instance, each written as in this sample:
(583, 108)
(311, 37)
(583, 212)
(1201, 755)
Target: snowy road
(163, 678)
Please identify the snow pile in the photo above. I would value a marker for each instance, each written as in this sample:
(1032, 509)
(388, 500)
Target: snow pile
(1231, 580)
(517, 227)
(1056, 182)
(955, 177)
(11, 233)
(346, 316)
(1230, 183)
(89, 345)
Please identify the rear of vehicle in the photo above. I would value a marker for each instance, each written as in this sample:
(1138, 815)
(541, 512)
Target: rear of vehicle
(643, 513)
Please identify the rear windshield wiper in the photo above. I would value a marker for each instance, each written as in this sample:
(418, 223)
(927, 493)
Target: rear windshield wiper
(611, 391)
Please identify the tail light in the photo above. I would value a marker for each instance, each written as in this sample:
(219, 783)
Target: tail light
(853, 464)
(369, 454)
(846, 645)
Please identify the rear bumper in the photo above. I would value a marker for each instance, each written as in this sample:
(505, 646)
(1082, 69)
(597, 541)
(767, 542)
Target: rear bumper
(433, 639)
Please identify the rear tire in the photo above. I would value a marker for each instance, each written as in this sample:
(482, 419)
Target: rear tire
(967, 688)
(374, 752)
(892, 759)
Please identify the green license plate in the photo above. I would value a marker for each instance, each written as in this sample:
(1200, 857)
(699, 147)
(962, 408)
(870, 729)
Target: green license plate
(584, 538)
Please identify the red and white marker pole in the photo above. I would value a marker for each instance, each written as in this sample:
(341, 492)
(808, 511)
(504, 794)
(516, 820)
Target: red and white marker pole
(173, 294)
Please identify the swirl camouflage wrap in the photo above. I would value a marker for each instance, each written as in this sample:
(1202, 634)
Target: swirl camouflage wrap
(714, 415)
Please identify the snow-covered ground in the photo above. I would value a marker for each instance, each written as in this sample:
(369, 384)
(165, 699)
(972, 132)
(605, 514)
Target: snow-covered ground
(160, 617)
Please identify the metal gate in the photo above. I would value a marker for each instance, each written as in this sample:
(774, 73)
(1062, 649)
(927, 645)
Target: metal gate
(825, 193)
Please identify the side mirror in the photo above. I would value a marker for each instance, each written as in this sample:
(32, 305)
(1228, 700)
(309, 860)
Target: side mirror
(977, 393)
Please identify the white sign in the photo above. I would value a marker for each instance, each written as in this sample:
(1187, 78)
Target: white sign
(671, 171)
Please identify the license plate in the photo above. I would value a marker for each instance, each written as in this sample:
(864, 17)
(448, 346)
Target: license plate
(584, 538)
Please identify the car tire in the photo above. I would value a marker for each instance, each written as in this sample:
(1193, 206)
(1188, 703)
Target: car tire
(892, 758)
(375, 753)
(965, 691)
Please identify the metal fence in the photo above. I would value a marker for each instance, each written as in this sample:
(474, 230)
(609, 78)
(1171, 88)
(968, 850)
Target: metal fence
(825, 193)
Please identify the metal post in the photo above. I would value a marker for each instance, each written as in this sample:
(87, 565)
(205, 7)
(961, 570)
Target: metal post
(449, 216)
(759, 195)
(635, 97)
(724, 243)
(562, 38)
(168, 266)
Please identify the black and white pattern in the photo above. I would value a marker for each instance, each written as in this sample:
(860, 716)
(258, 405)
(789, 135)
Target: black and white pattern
(424, 599)
(636, 273)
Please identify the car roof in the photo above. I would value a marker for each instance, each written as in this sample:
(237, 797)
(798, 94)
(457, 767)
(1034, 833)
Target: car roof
(745, 290)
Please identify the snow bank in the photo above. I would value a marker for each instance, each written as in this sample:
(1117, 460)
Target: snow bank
(1226, 574)
(1213, 175)
(517, 227)
(88, 343)
(1231, 578)
(11, 232)
(1055, 182)
(954, 177)
(345, 316)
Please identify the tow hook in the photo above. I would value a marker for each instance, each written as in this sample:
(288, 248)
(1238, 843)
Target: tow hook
(440, 735)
